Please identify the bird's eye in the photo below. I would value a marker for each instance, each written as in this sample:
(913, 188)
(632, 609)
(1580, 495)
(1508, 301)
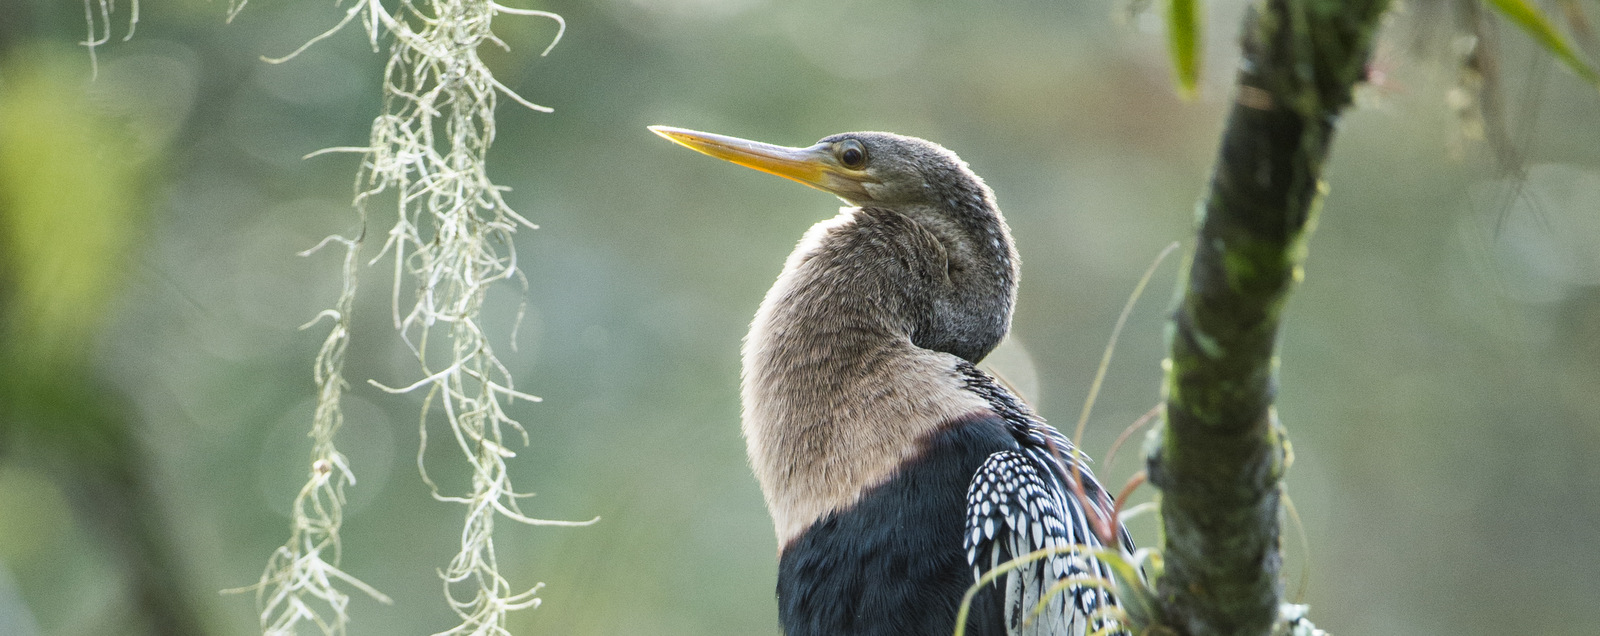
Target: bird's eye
(852, 154)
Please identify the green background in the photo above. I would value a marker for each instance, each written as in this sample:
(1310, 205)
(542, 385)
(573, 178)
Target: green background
(1440, 364)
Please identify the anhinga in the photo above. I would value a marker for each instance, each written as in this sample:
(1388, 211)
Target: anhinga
(896, 471)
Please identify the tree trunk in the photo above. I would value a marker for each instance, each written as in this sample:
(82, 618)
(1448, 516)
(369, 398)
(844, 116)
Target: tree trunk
(1221, 457)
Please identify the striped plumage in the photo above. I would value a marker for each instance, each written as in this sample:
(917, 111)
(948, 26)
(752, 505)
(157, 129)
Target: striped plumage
(896, 472)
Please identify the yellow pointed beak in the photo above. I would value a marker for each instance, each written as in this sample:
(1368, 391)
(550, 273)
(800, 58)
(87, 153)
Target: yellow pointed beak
(814, 166)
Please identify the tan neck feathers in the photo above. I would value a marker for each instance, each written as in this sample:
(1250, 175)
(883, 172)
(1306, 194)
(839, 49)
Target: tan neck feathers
(836, 397)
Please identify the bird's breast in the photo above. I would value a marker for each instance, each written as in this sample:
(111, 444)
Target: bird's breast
(819, 435)
(892, 562)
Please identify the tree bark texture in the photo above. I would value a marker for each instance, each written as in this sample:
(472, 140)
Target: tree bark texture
(1220, 459)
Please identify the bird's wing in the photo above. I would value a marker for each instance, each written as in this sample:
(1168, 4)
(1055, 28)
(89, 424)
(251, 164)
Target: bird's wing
(1017, 504)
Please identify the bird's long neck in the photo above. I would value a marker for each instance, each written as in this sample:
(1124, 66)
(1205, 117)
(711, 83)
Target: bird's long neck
(971, 312)
(836, 393)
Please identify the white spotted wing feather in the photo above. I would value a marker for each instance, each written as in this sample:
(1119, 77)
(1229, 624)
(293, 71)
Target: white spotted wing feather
(1016, 506)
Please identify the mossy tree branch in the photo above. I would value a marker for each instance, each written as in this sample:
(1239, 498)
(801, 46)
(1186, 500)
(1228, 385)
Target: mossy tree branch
(1221, 458)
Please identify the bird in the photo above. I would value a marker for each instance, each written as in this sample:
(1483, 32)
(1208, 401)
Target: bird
(895, 470)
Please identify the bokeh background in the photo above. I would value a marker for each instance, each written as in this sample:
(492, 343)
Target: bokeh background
(1440, 364)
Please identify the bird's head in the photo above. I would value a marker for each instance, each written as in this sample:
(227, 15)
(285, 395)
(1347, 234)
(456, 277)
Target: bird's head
(968, 309)
(866, 169)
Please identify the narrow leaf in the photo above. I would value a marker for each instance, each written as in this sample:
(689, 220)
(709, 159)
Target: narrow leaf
(1183, 42)
(1534, 22)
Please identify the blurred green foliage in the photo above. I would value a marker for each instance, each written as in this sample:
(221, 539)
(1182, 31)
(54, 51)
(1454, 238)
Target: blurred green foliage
(72, 206)
(1439, 368)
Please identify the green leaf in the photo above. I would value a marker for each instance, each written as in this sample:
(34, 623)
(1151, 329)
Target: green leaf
(1533, 21)
(1183, 42)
